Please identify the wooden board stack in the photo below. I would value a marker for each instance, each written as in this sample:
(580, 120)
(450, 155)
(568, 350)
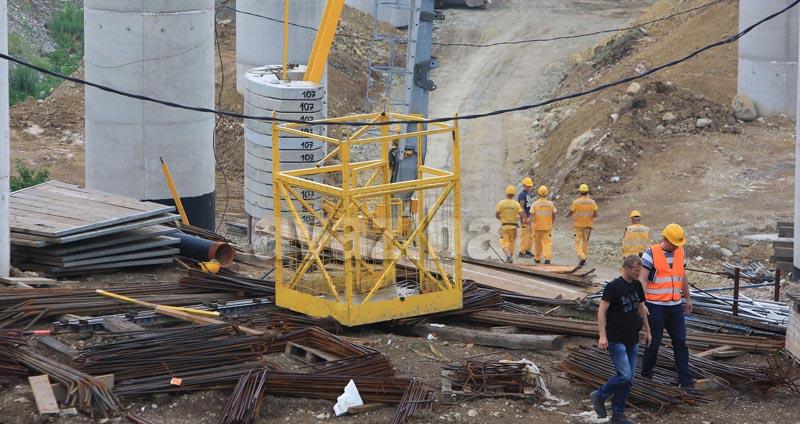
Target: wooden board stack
(62, 229)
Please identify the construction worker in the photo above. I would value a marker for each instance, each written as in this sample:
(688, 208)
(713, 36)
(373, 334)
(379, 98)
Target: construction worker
(525, 200)
(636, 238)
(510, 213)
(666, 292)
(620, 317)
(543, 212)
(584, 211)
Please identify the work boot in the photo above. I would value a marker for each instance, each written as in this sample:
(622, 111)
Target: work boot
(547, 261)
(598, 404)
(582, 262)
(509, 259)
(536, 261)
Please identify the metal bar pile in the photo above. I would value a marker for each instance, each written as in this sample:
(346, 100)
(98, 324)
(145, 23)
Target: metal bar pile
(225, 280)
(320, 339)
(493, 378)
(10, 369)
(759, 311)
(246, 400)
(474, 299)
(369, 364)
(183, 349)
(389, 390)
(592, 367)
(212, 378)
(285, 321)
(585, 328)
(85, 392)
(29, 306)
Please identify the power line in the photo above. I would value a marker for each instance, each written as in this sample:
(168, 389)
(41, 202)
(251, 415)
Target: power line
(728, 40)
(503, 43)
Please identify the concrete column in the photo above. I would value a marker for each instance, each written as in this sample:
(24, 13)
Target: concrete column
(5, 156)
(768, 56)
(796, 262)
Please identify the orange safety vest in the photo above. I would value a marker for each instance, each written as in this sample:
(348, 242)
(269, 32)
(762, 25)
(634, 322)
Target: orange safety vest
(667, 284)
(636, 240)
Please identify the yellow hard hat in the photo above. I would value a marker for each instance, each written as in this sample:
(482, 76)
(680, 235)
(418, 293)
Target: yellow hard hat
(527, 182)
(211, 266)
(583, 188)
(674, 234)
(511, 190)
(636, 214)
(542, 191)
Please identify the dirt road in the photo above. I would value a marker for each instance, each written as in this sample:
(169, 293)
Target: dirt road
(506, 76)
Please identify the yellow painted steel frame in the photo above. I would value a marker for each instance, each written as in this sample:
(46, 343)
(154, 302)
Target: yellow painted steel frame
(348, 219)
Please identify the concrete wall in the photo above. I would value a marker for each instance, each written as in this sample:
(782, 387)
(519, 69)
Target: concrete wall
(162, 49)
(259, 41)
(768, 56)
(393, 12)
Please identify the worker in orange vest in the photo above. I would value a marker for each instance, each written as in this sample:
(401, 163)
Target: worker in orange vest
(543, 212)
(584, 211)
(510, 213)
(525, 200)
(667, 296)
(636, 238)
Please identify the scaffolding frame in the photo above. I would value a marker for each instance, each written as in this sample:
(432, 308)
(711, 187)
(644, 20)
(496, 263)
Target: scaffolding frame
(355, 300)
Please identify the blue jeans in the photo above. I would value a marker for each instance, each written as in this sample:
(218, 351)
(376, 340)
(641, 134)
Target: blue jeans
(671, 318)
(624, 358)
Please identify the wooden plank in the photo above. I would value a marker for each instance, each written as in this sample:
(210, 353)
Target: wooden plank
(29, 281)
(111, 253)
(116, 239)
(43, 394)
(55, 271)
(101, 209)
(521, 269)
(525, 285)
(116, 229)
(710, 352)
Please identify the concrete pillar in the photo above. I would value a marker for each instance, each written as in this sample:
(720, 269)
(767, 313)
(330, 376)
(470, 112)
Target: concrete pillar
(5, 153)
(162, 49)
(796, 262)
(265, 93)
(768, 56)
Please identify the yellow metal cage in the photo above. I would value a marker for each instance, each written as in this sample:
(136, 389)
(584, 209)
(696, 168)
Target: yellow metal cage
(351, 244)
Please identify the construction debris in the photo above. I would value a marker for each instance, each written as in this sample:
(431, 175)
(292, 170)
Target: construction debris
(501, 378)
(63, 229)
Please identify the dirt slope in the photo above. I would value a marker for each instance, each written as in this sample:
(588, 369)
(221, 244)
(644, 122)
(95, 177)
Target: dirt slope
(721, 181)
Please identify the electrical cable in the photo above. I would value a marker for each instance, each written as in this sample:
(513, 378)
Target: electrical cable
(217, 120)
(510, 42)
(728, 40)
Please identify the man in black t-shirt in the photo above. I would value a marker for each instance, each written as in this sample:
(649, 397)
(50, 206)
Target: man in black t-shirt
(621, 315)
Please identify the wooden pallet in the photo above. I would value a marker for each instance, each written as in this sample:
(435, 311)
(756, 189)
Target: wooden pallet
(308, 355)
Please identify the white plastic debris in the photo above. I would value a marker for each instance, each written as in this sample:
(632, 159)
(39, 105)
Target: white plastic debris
(431, 337)
(349, 398)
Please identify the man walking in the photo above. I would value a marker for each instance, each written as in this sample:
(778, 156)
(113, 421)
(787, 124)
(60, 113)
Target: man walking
(636, 238)
(543, 213)
(666, 291)
(509, 212)
(584, 211)
(621, 315)
(525, 199)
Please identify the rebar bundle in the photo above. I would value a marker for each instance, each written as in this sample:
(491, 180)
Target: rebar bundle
(228, 281)
(246, 400)
(285, 321)
(85, 392)
(592, 367)
(29, 306)
(183, 349)
(10, 369)
(417, 397)
(211, 378)
(492, 378)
